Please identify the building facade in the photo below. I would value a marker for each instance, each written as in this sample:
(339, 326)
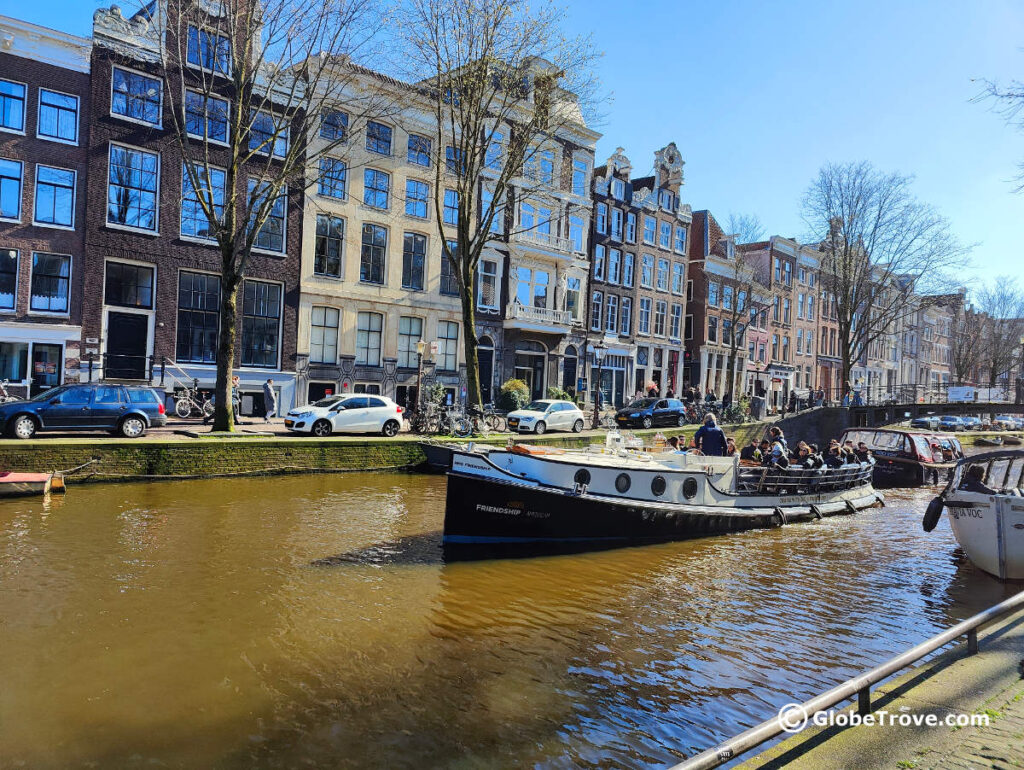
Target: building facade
(45, 104)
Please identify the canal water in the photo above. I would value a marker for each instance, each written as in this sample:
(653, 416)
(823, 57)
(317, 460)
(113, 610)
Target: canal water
(313, 622)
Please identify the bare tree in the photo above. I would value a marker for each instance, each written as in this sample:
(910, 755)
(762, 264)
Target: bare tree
(879, 245)
(1003, 302)
(967, 341)
(746, 228)
(251, 88)
(501, 79)
(1009, 103)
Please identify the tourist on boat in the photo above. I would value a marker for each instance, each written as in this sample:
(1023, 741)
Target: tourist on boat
(974, 481)
(815, 455)
(834, 459)
(777, 456)
(803, 457)
(775, 434)
(794, 454)
(751, 452)
(678, 447)
(730, 446)
(709, 438)
(862, 452)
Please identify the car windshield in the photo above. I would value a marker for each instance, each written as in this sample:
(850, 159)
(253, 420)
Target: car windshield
(327, 401)
(642, 403)
(537, 406)
(46, 395)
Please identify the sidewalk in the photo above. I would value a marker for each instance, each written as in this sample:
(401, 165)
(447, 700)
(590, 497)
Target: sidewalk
(988, 683)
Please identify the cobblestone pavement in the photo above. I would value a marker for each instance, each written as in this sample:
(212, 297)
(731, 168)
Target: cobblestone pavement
(999, 745)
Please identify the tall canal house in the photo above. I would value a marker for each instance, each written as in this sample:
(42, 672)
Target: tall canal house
(44, 135)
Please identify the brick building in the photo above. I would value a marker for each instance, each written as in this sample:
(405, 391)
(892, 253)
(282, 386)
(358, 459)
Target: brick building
(151, 265)
(44, 128)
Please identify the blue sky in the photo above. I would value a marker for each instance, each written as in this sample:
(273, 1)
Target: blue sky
(759, 95)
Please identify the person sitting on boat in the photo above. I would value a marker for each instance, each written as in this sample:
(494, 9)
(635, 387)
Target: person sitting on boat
(678, 447)
(775, 434)
(862, 452)
(730, 446)
(804, 459)
(794, 454)
(974, 481)
(751, 452)
(834, 459)
(776, 456)
(710, 439)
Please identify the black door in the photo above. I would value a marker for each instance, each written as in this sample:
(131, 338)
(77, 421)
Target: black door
(485, 359)
(127, 338)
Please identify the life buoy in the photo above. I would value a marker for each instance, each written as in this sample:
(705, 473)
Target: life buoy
(932, 514)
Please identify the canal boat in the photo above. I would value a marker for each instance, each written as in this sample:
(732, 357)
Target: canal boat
(986, 511)
(908, 458)
(531, 494)
(21, 484)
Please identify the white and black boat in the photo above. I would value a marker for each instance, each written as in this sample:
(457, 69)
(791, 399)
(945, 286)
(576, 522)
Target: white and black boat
(533, 494)
(986, 511)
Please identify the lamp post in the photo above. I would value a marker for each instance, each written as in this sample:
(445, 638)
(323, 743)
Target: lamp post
(420, 347)
(599, 351)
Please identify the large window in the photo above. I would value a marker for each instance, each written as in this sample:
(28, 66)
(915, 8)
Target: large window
(8, 278)
(12, 105)
(10, 189)
(371, 259)
(368, 330)
(416, 196)
(261, 324)
(419, 150)
(410, 331)
(451, 207)
(626, 316)
(601, 221)
(617, 224)
(678, 273)
(628, 270)
(576, 233)
(449, 280)
(665, 235)
(596, 307)
(679, 244)
(677, 319)
(136, 96)
(333, 178)
(492, 160)
(198, 317)
(649, 228)
(334, 125)
(611, 316)
(271, 236)
(208, 50)
(206, 116)
(133, 178)
(572, 298)
(631, 228)
(330, 236)
(58, 116)
(194, 222)
(580, 168)
(51, 283)
(643, 325)
(323, 335)
(487, 284)
(268, 134)
(55, 196)
(414, 258)
(614, 265)
(663, 275)
(660, 311)
(453, 160)
(447, 346)
(599, 259)
(376, 186)
(127, 285)
(647, 271)
(378, 138)
(532, 287)
(712, 328)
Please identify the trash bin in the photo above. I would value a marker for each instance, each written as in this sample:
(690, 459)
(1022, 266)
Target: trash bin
(757, 407)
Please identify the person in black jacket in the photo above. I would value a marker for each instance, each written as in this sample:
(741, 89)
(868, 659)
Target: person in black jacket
(974, 481)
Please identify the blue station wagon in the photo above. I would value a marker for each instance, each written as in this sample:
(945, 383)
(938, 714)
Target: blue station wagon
(126, 409)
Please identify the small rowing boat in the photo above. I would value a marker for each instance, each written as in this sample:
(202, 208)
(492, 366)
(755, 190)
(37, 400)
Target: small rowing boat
(14, 484)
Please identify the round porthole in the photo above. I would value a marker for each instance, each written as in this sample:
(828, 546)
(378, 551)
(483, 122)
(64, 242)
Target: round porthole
(690, 488)
(623, 482)
(582, 476)
(658, 486)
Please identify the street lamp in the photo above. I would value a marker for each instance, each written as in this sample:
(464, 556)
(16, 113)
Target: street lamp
(599, 351)
(420, 347)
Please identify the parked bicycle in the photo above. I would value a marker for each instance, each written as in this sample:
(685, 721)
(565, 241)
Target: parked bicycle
(191, 403)
(5, 396)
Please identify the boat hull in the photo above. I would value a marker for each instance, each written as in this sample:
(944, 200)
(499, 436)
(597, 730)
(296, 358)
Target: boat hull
(24, 484)
(990, 529)
(488, 511)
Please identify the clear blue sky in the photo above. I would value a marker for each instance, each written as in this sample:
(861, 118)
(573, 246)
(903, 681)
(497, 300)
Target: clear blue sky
(759, 95)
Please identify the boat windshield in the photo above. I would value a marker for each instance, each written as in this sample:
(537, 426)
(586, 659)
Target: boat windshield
(46, 395)
(642, 403)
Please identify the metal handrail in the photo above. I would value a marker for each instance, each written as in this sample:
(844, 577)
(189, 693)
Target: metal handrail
(859, 686)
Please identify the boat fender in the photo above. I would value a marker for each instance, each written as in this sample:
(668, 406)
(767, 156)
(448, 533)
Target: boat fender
(815, 511)
(850, 507)
(778, 518)
(932, 514)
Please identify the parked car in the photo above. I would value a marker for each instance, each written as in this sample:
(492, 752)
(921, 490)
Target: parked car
(1004, 422)
(951, 422)
(544, 415)
(907, 458)
(971, 423)
(931, 422)
(126, 409)
(652, 412)
(351, 413)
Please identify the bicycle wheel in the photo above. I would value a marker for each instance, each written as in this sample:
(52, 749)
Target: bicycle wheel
(208, 408)
(496, 423)
(461, 427)
(183, 407)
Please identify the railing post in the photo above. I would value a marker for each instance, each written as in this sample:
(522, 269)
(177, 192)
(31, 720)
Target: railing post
(90, 368)
(972, 641)
(163, 369)
(864, 700)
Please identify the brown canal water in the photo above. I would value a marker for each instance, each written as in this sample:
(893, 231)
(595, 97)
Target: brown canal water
(312, 622)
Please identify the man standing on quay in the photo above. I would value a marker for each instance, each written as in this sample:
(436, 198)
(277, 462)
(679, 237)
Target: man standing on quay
(269, 400)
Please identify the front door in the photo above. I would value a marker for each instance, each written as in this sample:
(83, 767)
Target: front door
(47, 361)
(127, 343)
(485, 364)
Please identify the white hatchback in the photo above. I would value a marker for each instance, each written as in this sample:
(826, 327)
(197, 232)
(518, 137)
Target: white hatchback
(544, 415)
(354, 413)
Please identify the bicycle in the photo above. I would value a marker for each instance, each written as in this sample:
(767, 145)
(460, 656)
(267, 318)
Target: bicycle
(188, 403)
(5, 396)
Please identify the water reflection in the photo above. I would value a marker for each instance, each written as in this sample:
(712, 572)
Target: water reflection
(316, 621)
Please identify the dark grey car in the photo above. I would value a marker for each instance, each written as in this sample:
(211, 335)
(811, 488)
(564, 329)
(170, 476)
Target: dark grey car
(126, 409)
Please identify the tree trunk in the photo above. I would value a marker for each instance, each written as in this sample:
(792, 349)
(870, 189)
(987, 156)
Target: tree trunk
(473, 397)
(223, 414)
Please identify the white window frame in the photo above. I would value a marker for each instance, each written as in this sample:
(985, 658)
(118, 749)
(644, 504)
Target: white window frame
(21, 189)
(71, 284)
(337, 334)
(159, 182)
(24, 109)
(78, 116)
(206, 120)
(74, 198)
(118, 116)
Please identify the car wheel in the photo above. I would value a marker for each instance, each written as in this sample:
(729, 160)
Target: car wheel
(322, 428)
(681, 421)
(24, 427)
(577, 427)
(540, 428)
(132, 426)
(391, 428)
(648, 422)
